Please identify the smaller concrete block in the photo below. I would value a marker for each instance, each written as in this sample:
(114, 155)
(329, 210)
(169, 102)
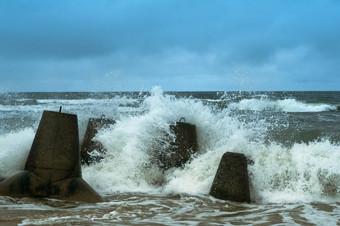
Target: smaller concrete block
(89, 145)
(182, 148)
(231, 180)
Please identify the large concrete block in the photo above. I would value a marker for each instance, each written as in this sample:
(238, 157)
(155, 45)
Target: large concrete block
(55, 146)
(231, 180)
(182, 148)
(89, 145)
(53, 166)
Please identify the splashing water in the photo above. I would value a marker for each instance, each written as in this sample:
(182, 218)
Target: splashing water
(302, 172)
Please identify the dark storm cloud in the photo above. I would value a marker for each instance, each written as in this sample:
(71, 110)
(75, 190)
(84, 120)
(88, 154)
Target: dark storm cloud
(266, 40)
(90, 28)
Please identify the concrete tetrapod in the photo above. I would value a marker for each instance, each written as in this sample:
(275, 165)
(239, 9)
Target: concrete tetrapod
(52, 168)
(231, 180)
(182, 148)
(89, 145)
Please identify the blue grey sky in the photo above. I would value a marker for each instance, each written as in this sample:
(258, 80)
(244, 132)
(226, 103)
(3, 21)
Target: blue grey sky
(180, 45)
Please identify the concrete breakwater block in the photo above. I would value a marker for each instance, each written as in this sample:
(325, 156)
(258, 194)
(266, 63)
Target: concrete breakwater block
(231, 180)
(182, 148)
(52, 168)
(89, 145)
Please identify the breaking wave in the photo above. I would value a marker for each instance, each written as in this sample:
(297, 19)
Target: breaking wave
(286, 105)
(302, 172)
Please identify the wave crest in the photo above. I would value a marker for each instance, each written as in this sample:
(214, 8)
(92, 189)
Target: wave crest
(286, 105)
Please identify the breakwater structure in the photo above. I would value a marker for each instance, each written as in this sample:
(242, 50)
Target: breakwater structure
(231, 181)
(53, 166)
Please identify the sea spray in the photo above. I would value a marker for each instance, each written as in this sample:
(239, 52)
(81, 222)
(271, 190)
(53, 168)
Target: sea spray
(14, 148)
(132, 141)
(305, 172)
(278, 173)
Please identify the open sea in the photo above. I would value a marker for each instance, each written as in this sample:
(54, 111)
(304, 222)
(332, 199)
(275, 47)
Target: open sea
(291, 138)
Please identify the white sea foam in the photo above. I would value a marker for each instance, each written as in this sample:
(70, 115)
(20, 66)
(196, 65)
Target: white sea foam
(286, 105)
(305, 172)
(14, 151)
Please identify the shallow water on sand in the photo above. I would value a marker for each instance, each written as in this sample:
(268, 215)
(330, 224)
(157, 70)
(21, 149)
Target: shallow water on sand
(144, 209)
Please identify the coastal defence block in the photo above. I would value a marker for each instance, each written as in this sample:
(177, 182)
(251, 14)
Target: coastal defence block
(89, 145)
(182, 148)
(231, 180)
(52, 169)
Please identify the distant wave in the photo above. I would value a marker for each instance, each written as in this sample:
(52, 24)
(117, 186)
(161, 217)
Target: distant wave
(18, 102)
(286, 105)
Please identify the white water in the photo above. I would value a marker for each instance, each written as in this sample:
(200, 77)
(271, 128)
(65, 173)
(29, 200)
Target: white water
(286, 105)
(304, 172)
(301, 173)
(14, 151)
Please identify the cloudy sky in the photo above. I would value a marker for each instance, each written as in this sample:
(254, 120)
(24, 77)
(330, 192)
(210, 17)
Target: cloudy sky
(180, 45)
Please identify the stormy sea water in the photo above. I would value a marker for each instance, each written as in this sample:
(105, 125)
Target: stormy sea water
(291, 138)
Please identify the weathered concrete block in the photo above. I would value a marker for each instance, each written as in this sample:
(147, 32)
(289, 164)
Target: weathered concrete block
(53, 165)
(55, 146)
(231, 180)
(89, 145)
(182, 148)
